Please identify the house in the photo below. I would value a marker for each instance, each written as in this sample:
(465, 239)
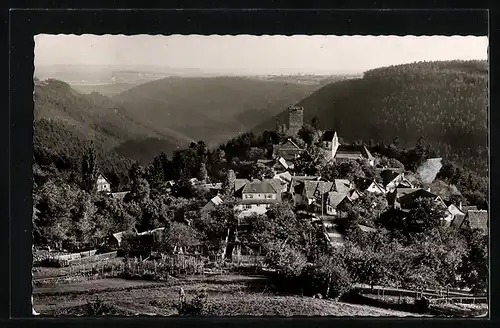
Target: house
(330, 143)
(257, 196)
(409, 199)
(335, 201)
(288, 150)
(308, 192)
(346, 153)
(284, 177)
(239, 184)
(429, 169)
(393, 179)
(454, 213)
(212, 203)
(370, 186)
(103, 184)
(278, 165)
(475, 219)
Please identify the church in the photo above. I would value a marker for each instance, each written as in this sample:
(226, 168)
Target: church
(328, 142)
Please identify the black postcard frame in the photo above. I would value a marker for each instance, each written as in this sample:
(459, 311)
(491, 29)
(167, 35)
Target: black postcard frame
(17, 119)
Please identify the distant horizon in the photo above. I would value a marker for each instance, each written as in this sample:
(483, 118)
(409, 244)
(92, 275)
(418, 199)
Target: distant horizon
(246, 55)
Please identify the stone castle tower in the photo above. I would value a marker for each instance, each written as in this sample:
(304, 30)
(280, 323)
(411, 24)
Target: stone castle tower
(295, 120)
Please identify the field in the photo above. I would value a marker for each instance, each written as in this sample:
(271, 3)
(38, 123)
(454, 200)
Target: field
(89, 288)
(228, 295)
(64, 291)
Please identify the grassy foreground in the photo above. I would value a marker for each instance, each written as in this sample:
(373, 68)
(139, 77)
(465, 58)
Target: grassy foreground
(229, 295)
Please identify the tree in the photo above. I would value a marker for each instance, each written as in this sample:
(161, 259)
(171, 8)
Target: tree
(256, 153)
(315, 123)
(261, 171)
(179, 236)
(474, 269)
(89, 168)
(308, 134)
(203, 174)
(426, 214)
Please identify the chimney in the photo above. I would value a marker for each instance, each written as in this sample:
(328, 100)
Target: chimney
(460, 205)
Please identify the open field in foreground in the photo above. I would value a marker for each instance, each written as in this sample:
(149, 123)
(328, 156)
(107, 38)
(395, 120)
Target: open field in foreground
(228, 295)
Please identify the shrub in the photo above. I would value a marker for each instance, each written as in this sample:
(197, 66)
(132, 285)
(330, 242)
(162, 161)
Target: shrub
(195, 306)
(287, 260)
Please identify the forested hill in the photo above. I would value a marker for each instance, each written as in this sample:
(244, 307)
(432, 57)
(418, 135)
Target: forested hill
(446, 102)
(213, 109)
(65, 119)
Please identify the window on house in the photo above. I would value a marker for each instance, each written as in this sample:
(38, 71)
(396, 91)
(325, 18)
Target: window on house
(269, 196)
(247, 207)
(249, 196)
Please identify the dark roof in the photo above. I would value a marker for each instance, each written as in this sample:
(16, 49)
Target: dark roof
(317, 188)
(458, 220)
(476, 220)
(328, 135)
(411, 197)
(259, 187)
(335, 198)
(353, 152)
(275, 183)
(342, 185)
(240, 183)
(388, 176)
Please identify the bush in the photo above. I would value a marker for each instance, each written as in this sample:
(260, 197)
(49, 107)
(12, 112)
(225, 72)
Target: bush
(195, 306)
(287, 260)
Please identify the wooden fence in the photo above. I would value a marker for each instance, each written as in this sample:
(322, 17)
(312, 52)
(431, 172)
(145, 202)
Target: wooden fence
(89, 259)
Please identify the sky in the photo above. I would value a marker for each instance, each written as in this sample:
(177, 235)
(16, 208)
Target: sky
(246, 54)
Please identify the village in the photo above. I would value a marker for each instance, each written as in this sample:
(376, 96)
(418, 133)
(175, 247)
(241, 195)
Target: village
(325, 205)
(327, 200)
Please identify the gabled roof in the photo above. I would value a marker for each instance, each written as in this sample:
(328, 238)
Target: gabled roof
(285, 177)
(453, 209)
(342, 185)
(119, 195)
(259, 187)
(458, 220)
(328, 135)
(335, 198)
(388, 176)
(277, 184)
(353, 152)
(476, 220)
(429, 169)
(239, 184)
(413, 196)
(317, 188)
(101, 176)
(119, 236)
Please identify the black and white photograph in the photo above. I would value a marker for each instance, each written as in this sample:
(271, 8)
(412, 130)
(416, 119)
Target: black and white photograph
(261, 175)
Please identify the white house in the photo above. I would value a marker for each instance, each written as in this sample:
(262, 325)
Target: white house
(257, 196)
(103, 185)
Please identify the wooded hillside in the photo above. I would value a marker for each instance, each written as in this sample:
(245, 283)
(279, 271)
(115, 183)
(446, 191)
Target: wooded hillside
(446, 102)
(210, 109)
